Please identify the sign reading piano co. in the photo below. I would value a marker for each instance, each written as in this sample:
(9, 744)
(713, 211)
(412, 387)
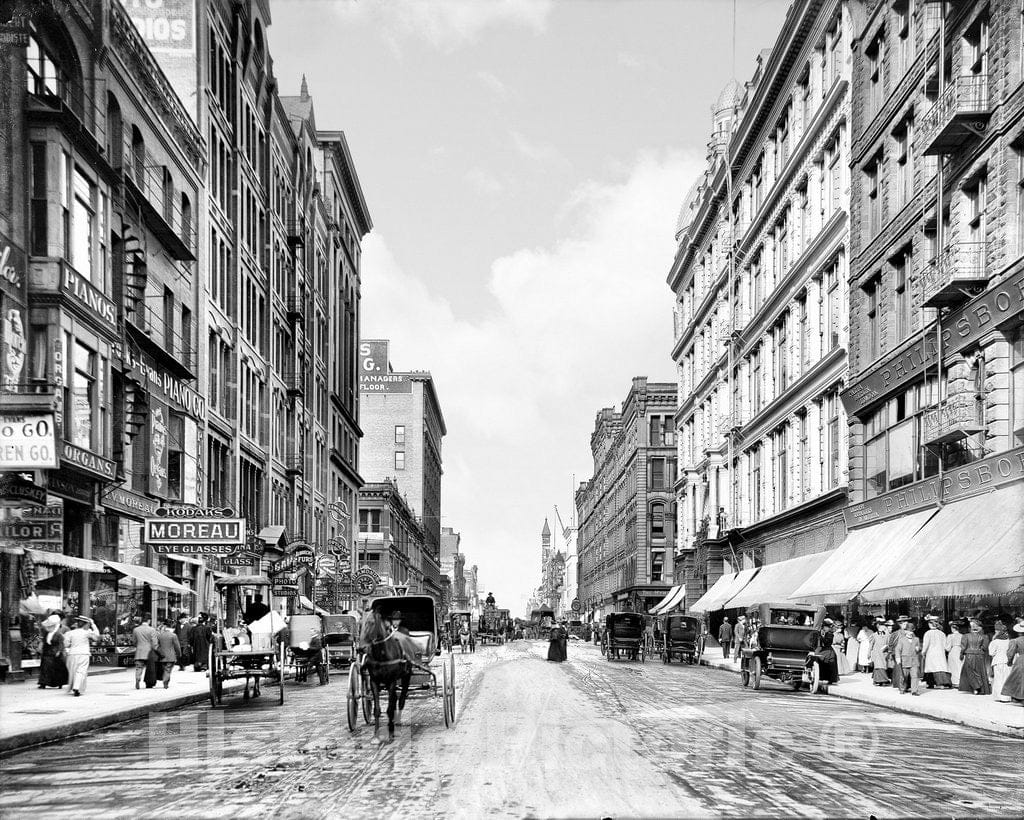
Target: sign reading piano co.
(191, 530)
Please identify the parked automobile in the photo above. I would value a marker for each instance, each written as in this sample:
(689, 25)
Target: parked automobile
(780, 643)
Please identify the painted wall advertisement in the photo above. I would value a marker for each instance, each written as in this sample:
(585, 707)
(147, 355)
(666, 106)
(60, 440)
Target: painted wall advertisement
(169, 29)
(375, 374)
(158, 440)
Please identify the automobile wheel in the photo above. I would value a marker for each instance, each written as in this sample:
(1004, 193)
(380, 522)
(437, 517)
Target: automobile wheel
(815, 678)
(756, 675)
(745, 677)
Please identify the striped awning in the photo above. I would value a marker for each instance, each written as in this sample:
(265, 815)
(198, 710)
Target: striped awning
(725, 588)
(669, 602)
(59, 559)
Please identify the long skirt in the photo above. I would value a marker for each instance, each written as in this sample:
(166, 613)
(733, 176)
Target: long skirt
(843, 663)
(974, 675)
(78, 672)
(880, 675)
(557, 650)
(53, 671)
(938, 680)
(1013, 686)
(1000, 672)
(954, 660)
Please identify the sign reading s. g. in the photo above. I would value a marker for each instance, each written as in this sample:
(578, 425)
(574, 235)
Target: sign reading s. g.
(27, 442)
(375, 374)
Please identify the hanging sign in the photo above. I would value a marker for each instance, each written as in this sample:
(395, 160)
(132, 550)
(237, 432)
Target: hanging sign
(226, 531)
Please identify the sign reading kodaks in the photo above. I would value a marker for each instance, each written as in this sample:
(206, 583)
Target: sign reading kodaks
(27, 442)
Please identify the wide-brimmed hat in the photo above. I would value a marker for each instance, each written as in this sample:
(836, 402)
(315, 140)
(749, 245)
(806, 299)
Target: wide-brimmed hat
(1019, 626)
(827, 622)
(904, 619)
(931, 617)
(890, 622)
(51, 622)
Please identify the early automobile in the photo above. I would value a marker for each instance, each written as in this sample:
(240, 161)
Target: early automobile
(780, 644)
(683, 638)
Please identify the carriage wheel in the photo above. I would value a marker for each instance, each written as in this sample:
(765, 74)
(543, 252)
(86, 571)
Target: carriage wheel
(816, 685)
(366, 688)
(325, 667)
(446, 694)
(451, 694)
(280, 676)
(643, 654)
(354, 695)
(756, 676)
(216, 690)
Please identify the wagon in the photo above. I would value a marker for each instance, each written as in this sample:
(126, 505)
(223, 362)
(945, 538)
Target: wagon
(624, 636)
(683, 638)
(261, 656)
(780, 645)
(419, 621)
(340, 632)
(306, 649)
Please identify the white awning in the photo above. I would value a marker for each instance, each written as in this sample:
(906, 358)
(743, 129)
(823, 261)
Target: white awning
(855, 563)
(776, 582)
(148, 575)
(971, 547)
(305, 603)
(59, 559)
(670, 601)
(725, 588)
(271, 534)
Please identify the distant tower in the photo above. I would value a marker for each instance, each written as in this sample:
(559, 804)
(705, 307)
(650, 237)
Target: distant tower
(545, 562)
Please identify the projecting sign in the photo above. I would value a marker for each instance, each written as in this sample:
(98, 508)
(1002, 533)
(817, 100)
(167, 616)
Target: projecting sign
(191, 549)
(27, 442)
(375, 374)
(228, 531)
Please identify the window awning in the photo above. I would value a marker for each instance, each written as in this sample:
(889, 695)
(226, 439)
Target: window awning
(58, 559)
(305, 603)
(972, 547)
(148, 575)
(725, 588)
(670, 601)
(776, 582)
(271, 534)
(856, 561)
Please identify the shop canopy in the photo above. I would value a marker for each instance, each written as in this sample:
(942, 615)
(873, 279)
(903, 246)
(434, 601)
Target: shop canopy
(305, 603)
(243, 581)
(148, 575)
(972, 547)
(58, 559)
(855, 563)
(670, 601)
(776, 582)
(724, 588)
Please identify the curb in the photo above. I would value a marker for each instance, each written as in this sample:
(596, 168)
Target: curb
(23, 740)
(983, 725)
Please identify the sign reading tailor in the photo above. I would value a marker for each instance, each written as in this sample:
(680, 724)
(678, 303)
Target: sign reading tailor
(375, 374)
(81, 291)
(158, 452)
(177, 531)
(28, 442)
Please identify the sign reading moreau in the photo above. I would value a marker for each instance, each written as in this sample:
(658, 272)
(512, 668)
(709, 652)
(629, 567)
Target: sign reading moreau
(27, 442)
(190, 530)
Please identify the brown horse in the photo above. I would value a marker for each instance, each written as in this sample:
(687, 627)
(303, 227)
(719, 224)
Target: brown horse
(389, 659)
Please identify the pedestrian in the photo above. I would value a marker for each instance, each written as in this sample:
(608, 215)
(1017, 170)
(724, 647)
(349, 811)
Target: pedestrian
(725, 637)
(168, 650)
(879, 654)
(182, 630)
(907, 655)
(839, 647)
(864, 639)
(895, 670)
(53, 669)
(1000, 667)
(933, 647)
(973, 673)
(738, 635)
(199, 641)
(1014, 685)
(78, 648)
(146, 648)
(954, 660)
(256, 610)
(824, 648)
(557, 640)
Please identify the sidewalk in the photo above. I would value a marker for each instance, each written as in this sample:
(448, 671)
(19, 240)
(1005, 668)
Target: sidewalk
(30, 715)
(979, 711)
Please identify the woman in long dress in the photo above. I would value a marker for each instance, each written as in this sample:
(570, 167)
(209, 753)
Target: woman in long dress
(852, 646)
(1000, 668)
(933, 648)
(954, 658)
(53, 670)
(839, 647)
(864, 648)
(1013, 687)
(974, 672)
(879, 656)
(556, 643)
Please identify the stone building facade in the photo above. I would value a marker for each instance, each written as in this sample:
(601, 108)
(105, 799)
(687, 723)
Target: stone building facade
(390, 537)
(626, 514)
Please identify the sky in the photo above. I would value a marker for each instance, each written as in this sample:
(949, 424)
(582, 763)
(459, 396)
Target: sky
(524, 162)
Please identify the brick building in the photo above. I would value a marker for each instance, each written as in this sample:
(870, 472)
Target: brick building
(626, 510)
(390, 537)
(760, 319)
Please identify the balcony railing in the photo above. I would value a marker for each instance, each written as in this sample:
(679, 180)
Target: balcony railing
(961, 112)
(160, 204)
(294, 382)
(79, 112)
(295, 231)
(950, 278)
(954, 419)
(173, 344)
(293, 464)
(730, 422)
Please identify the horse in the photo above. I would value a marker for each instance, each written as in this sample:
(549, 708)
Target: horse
(388, 661)
(464, 640)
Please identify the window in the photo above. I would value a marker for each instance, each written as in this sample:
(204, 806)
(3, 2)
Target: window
(661, 432)
(781, 355)
(175, 455)
(657, 565)
(370, 521)
(756, 283)
(873, 205)
(40, 201)
(782, 246)
(80, 397)
(876, 79)
(755, 380)
(43, 72)
(781, 469)
(901, 264)
(804, 350)
(168, 305)
(1017, 386)
(903, 14)
(872, 346)
(903, 187)
(83, 225)
(833, 438)
(399, 460)
(755, 484)
(1019, 152)
(975, 194)
(976, 56)
(803, 478)
(657, 522)
(218, 485)
(399, 434)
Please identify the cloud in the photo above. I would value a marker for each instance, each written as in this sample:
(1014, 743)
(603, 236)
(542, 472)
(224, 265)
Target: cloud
(492, 83)
(630, 61)
(485, 181)
(534, 150)
(447, 24)
(520, 384)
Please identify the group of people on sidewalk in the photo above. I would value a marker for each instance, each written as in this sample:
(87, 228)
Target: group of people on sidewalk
(66, 651)
(966, 658)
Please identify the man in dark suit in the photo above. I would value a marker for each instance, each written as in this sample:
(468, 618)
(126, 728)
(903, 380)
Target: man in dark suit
(890, 651)
(725, 637)
(145, 643)
(169, 649)
(907, 656)
(256, 610)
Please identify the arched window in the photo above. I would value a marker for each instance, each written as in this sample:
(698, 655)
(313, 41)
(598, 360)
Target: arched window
(657, 523)
(168, 192)
(138, 156)
(258, 48)
(115, 131)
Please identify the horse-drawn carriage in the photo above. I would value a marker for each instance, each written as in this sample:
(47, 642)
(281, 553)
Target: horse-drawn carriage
(542, 619)
(241, 654)
(460, 630)
(306, 648)
(340, 633)
(624, 636)
(398, 643)
(683, 639)
(780, 644)
(493, 625)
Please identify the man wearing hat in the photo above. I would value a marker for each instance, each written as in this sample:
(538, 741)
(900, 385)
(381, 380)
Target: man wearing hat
(890, 649)
(907, 656)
